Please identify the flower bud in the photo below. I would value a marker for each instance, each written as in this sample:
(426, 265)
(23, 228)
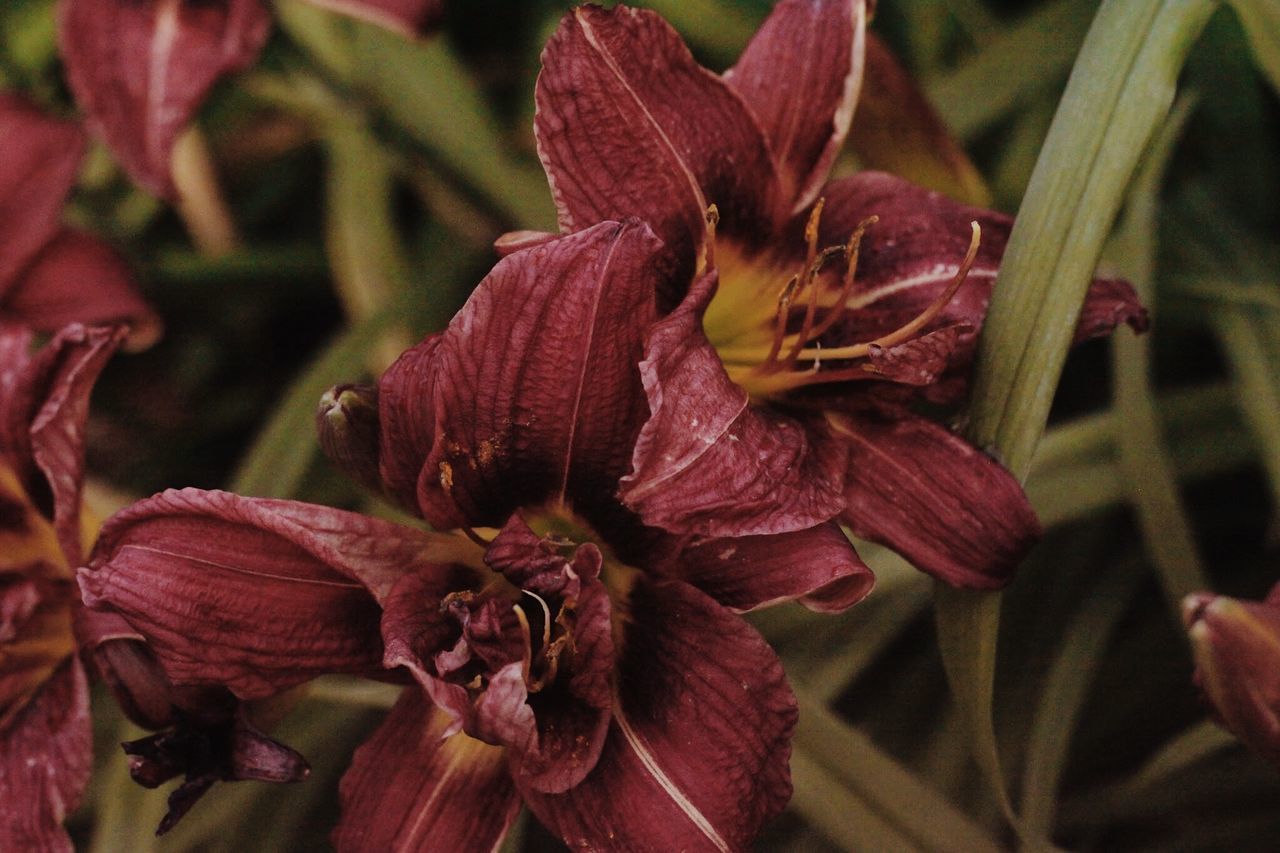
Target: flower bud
(1237, 651)
(347, 421)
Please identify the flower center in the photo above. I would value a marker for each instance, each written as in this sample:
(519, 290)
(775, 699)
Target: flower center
(768, 335)
(36, 594)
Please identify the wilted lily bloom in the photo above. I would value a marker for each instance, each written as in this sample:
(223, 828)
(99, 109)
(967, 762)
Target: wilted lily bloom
(45, 740)
(141, 69)
(803, 318)
(563, 655)
(1237, 651)
(52, 274)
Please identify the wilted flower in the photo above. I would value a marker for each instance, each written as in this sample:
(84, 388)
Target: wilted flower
(51, 274)
(1237, 651)
(804, 318)
(45, 740)
(141, 69)
(564, 654)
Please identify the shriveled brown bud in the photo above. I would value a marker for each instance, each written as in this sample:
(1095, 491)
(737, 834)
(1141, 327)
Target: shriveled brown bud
(347, 421)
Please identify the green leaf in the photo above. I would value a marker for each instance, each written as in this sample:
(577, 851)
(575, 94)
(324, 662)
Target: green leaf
(1065, 690)
(1144, 463)
(1119, 92)
(861, 797)
(1014, 66)
(1261, 21)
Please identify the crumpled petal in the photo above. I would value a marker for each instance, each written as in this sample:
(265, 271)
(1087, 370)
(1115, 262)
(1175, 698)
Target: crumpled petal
(78, 278)
(628, 124)
(141, 70)
(411, 788)
(257, 595)
(409, 17)
(708, 462)
(46, 754)
(800, 75)
(817, 566)
(923, 491)
(912, 254)
(44, 403)
(897, 130)
(39, 159)
(534, 394)
(697, 755)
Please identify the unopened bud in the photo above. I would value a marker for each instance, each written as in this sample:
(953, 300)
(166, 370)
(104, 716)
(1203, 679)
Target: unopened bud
(1237, 652)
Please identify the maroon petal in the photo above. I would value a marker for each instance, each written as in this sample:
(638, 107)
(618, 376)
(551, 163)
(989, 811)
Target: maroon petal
(801, 75)
(46, 753)
(818, 566)
(911, 255)
(44, 403)
(629, 125)
(897, 130)
(708, 462)
(947, 507)
(407, 420)
(410, 17)
(920, 361)
(256, 595)
(411, 788)
(697, 756)
(80, 279)
(39, 158)
(141, 70)
(534, 392)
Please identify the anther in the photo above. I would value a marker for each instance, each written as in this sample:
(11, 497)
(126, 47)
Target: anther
(811, 231)
(712, 219)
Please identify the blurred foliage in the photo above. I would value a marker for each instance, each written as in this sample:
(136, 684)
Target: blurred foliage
(367, 177)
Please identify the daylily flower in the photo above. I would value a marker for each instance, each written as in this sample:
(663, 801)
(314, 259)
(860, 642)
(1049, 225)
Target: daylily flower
(45, 740)
(1237, 652)
(562, 654)
(803, 317)
(140, 69)
(51, 274)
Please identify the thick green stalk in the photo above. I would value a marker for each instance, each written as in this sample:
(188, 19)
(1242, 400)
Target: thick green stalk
(1120, 90)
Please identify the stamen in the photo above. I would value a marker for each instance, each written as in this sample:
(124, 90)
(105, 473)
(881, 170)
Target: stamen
(811, 231)
(476, 537)
(546, 617)
(526, 666)
(811, 282)
(780, 321)
(851, 252)
(906, 332)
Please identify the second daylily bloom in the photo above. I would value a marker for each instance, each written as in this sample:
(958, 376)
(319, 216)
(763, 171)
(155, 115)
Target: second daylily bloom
(563, 655)
(45, 739)
(52, 274)
(804, 316)
(141, 69)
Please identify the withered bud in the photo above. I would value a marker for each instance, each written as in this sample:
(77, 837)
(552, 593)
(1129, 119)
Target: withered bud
(347, 421)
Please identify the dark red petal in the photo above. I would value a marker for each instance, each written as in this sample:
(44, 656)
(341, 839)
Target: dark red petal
(912, 254)
(818, 566)
(39, 158)
(407, 420)
(347, 423)
(44, 402)
(697, 756)
(535, 392)
(947, 507)
(80, 279)
(710, 463)
(256, 595)
(919, 361)
(410, 17)
(46, 753)
(628, 124)
(141, 70)
(801, 75)
(410, 788)
(897, 130)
